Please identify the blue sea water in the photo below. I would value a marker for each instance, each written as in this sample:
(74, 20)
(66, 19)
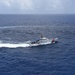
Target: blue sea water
(53, 59)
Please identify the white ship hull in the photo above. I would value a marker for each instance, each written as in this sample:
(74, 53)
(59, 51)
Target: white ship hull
(43, 41)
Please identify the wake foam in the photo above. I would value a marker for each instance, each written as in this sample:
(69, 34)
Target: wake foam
(8, 45)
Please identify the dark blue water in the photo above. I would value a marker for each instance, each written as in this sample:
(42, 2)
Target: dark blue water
(53, 59)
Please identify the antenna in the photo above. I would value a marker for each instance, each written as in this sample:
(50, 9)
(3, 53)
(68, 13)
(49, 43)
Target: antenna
(41, 36)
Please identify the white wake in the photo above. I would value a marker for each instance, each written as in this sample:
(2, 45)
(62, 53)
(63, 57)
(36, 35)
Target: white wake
(13, 45)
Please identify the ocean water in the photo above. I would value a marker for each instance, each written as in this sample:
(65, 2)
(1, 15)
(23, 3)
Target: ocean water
(16, 58)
